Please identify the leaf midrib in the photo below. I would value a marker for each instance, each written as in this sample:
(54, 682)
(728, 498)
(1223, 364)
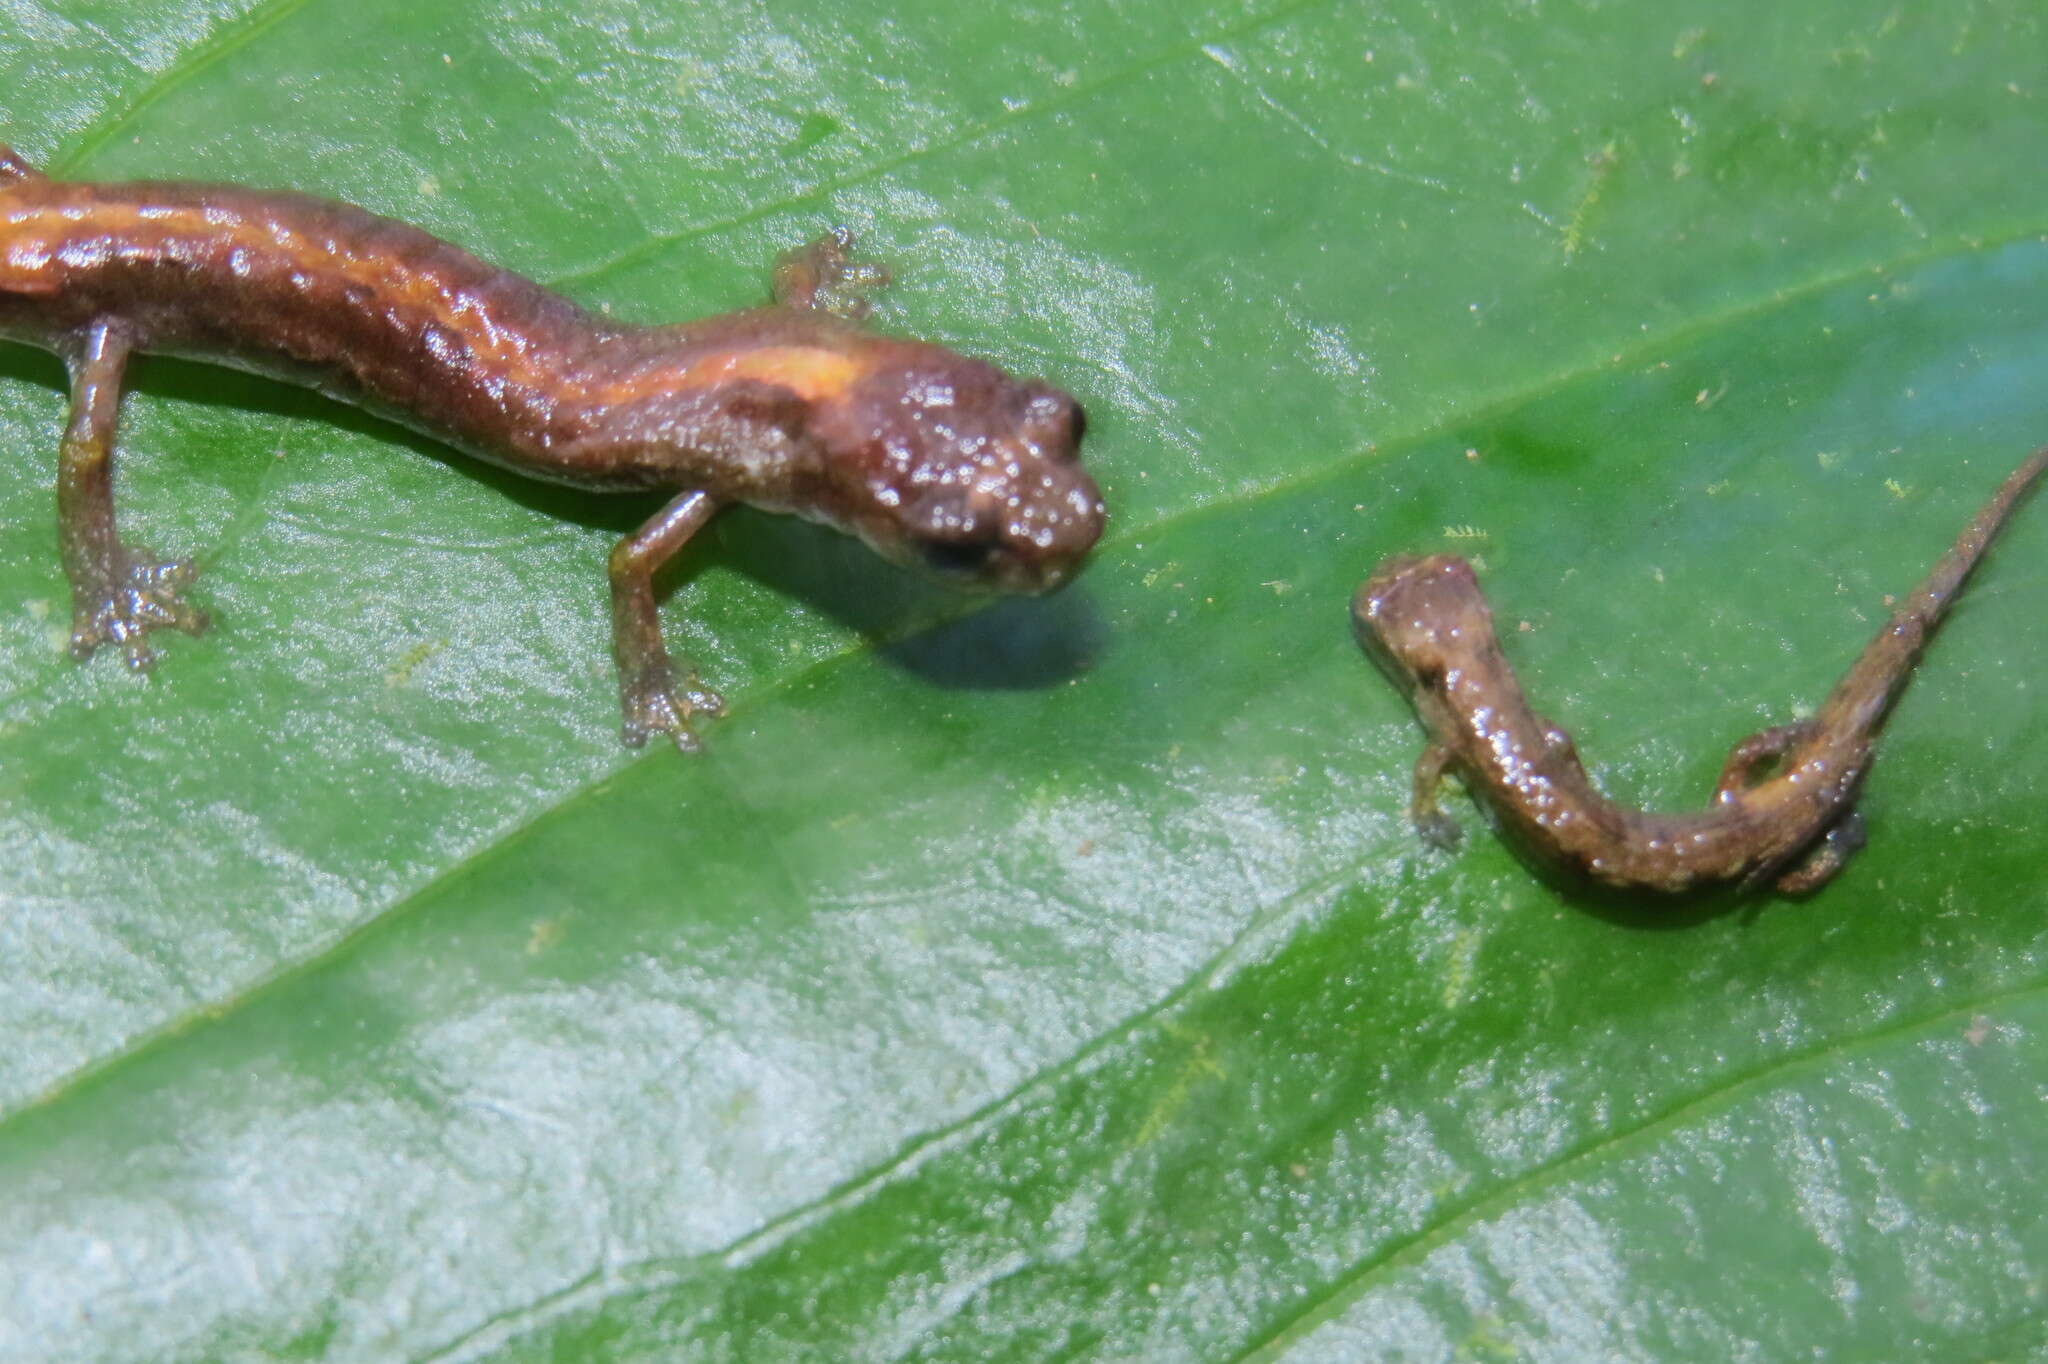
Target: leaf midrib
(1735, 1088)
(652, 1275)
(219, 1013)
(221, 42)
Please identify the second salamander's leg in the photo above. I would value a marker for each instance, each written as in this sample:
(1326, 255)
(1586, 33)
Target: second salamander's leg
(1826, 858)
(647, 681)
(1738, 774)
(1438, 829)
(118, 592)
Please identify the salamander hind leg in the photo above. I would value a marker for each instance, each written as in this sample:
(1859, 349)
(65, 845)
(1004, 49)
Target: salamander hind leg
(1741, 771)
(824, 277)
(1559, 746)
(1829, 854)
(119, 592)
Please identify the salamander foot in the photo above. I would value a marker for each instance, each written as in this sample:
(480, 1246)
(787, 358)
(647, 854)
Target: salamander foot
(824, 277)
(1750, 760)
(1438, 830)
(1826, 858)
(653, 704)
(147, 596)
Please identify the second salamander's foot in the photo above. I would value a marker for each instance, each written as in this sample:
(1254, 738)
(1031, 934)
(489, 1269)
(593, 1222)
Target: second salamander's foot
(148, 596)
(1438, 830)
(653, 705)
(824, 277)
(1825, 860)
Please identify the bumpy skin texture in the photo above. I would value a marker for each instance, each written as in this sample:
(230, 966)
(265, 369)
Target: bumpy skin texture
(933, 458)
(1425, 621)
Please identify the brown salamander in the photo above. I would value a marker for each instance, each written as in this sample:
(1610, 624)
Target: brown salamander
(930, 457)
(1784, 809)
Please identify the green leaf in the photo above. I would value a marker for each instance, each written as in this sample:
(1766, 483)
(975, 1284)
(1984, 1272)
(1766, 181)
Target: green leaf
(1052, 979)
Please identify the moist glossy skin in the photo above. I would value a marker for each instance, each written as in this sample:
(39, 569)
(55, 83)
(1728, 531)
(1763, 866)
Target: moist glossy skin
(1427, 623)
(933, 458)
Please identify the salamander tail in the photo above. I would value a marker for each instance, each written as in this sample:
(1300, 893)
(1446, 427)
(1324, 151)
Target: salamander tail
(1858, 704)
(14, 170)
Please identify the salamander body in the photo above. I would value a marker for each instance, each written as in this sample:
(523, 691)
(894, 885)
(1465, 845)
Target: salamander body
(933, 458)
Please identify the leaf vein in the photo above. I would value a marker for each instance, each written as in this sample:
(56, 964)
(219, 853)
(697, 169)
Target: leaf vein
(965, 136)
(221, 42)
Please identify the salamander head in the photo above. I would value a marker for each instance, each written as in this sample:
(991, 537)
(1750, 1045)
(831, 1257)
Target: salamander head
(947, 463)
(1421, 617)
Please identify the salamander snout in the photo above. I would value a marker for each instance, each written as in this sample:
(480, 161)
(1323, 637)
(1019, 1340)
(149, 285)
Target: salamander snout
(1417, 614)
(1408, 592)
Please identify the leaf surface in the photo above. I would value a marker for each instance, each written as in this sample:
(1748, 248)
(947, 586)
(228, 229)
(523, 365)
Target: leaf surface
(1051, 979)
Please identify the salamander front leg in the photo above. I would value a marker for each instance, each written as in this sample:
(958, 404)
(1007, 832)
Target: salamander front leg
(1438, 829)
(647, 679)
(119, 593)
(824, 277)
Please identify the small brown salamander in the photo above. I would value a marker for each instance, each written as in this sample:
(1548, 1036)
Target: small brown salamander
(1784, 809)
(931, 457)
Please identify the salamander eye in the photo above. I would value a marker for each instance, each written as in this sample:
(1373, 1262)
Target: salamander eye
(1430, 677)
(1054, 420)
(957, 556)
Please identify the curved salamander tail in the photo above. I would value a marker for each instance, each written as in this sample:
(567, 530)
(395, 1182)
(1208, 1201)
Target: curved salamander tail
(14, 170)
